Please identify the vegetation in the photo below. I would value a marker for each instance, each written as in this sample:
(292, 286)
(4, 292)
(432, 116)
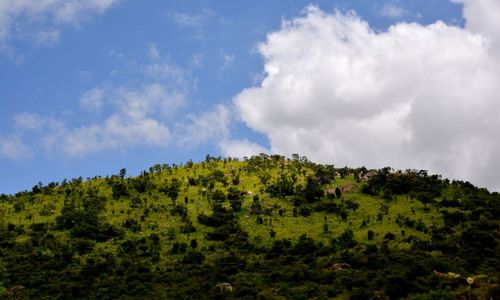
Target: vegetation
(266, 227)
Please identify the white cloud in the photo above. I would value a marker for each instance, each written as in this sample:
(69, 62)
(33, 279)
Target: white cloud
(197, 20)
(154, 53)
(483, 17)
(151, 99)
(209, 126)
(117, 133)
(92, 100)
(48, 37)
(186, 20)
(135, 120)
(414, 96)
(13, 147)
(161, 71)
(43, 19)
(42, 125)
(85, 75)
(393, 11)
(29, 121)
(197, 60)
(228, 60)
(214, 127)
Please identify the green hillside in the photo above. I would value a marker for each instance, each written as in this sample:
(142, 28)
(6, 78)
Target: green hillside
(266, 227)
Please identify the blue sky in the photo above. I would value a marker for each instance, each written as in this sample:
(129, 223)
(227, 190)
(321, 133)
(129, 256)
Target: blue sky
(89, 87)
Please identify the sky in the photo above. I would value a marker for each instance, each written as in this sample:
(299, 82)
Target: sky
(88, 87)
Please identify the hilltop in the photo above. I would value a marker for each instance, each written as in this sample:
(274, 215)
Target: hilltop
(266, 227)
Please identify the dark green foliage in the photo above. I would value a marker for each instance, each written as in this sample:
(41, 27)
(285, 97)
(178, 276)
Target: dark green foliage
(338, 192)
(218, 175)
(123, 172)
(18, 206)
(325, 174)
(236, 204)
(284, 186)
(389, 236)
(81, 215)
(188, 227)
(179, 210)
(345, 240)
(141, 183)
(83, 246)
(220, 217)
(178, 248)
(119, 189)
(418, 184)
(194, 244)
(305, 211)
(234, 194)
(218, 196)
(172, 189)
(132, 224)
(305, 246)
(193, 258)
(313, 190)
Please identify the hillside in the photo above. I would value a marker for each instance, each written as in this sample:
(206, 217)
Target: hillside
(266, 227)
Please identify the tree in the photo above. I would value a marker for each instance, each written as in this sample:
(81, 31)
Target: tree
(236, 205)
(346, 239)
(313, 190)
(425, 198)
(338, 192)
(119, 189)
(172, 189)
(194, 243)
(123, 172)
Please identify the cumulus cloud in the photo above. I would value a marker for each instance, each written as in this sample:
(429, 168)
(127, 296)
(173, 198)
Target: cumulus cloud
(483, 18)
(413, 96)
(13, 147)
(43, 19)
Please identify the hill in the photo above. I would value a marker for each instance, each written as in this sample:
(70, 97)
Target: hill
(266, 227)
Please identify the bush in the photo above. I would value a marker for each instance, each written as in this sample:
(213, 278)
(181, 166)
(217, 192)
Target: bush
(83, 246)
(193, 258)
(389, 236)
(132, 224)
